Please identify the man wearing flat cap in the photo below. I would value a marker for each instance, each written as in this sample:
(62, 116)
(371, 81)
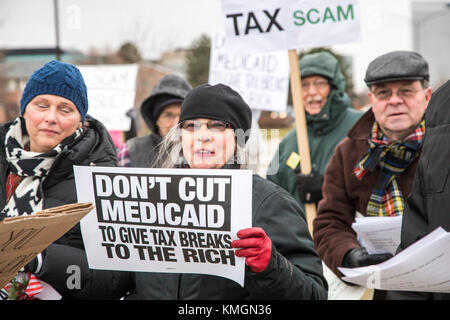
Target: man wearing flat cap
(372, 169)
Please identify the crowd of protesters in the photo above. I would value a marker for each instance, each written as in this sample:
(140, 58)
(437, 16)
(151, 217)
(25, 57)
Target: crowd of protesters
(387, 161)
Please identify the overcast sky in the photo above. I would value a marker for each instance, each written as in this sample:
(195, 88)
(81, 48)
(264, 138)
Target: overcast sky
(154, 25)
(159, 25)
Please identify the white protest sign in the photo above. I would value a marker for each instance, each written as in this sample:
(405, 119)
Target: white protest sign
(267, 25)
(262, 79)
(111, 93)
(165, 220)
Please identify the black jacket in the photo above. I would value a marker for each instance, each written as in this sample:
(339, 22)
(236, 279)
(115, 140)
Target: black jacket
(95, 148)
(294, 270)
(428, 205)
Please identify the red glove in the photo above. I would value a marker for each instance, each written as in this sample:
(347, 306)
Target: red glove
(256, 248)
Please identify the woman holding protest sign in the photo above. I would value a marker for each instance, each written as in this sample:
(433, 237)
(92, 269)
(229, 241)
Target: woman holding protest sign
(279, 253)
(38, 150)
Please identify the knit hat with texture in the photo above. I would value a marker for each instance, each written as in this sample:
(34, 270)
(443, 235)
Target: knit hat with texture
(60, 79)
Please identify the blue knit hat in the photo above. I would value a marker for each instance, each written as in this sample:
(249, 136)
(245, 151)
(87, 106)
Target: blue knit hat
(60, 79)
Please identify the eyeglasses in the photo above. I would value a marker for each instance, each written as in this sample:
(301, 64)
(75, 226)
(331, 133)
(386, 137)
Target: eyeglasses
(403, 93)
(192, 125)
(318, 84)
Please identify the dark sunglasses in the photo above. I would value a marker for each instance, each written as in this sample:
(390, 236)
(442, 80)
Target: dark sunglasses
(192, 125)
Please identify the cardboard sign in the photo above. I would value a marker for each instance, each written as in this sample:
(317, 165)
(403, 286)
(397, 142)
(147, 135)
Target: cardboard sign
(165, 220)
(24, 237)
(262, 79)
(111, 93)
(268, 25)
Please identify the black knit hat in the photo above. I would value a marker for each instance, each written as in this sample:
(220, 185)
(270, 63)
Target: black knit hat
(218, 102)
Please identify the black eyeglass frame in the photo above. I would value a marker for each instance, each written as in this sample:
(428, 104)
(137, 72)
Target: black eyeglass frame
(220, 125)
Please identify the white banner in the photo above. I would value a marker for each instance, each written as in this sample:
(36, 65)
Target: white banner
(111, 93)
(165, 220)
(262, 79)
(268, 25)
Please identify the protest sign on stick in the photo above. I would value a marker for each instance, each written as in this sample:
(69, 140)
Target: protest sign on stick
(24, 237)
(268, 25)
(302, 131)
(165, 220)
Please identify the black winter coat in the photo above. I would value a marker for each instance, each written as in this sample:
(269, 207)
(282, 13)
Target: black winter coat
(95, 148)
(428, 205)
(294, 270)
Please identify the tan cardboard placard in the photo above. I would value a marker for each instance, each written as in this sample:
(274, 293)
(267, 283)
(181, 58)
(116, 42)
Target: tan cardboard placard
(23, 237)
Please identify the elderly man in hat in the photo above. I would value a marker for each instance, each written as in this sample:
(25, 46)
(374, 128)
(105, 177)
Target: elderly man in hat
(372, 169)
(329, 115)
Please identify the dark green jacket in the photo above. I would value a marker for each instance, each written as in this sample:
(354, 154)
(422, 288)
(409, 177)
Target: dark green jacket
(325, 129)
(294, 270)
(323, 136)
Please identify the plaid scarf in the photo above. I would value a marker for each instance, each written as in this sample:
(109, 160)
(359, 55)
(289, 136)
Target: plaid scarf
(392, 158)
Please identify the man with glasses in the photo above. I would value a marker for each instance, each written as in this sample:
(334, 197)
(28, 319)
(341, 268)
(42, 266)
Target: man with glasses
(329, 115)
(160, 111)
(372, 169)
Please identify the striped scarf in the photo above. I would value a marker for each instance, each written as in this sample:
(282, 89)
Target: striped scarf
(392, 158)
(32, 167)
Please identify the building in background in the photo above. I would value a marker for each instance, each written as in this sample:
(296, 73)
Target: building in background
(386, 25)
(431, 37)
(16, 66)
(174, 60)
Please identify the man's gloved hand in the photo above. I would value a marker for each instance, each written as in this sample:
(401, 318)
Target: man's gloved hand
(255, 246)
(309, 186)
(358, 257)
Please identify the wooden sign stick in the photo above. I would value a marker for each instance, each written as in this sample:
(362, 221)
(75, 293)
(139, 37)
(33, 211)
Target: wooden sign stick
(302, 132)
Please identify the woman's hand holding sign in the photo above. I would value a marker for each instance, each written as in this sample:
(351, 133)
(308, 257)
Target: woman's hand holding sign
(255, 246)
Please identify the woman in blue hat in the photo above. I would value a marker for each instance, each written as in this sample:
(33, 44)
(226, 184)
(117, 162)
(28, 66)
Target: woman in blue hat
(37, 152)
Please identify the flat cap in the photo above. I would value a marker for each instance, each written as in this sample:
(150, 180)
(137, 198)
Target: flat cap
(397, 65)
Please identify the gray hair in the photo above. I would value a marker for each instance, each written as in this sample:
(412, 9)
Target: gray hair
(170, 154)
